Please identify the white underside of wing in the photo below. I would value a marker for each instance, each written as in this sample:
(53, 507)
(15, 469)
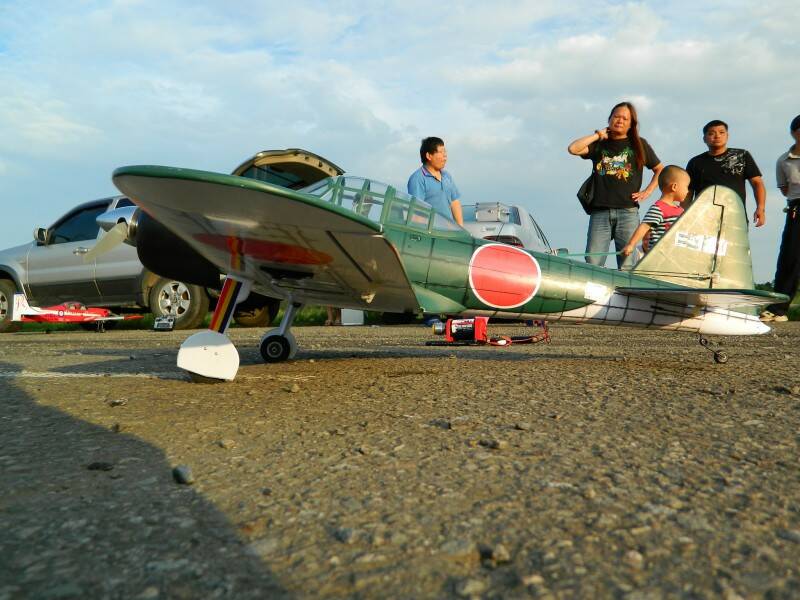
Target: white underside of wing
(284, 246)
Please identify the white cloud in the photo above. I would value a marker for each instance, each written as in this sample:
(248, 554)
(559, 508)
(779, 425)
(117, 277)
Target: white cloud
(41, 127)
(93, 85)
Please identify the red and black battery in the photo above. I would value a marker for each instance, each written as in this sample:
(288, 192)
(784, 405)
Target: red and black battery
(463, 330)
(474, 332)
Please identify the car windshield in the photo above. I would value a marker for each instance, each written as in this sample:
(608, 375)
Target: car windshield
(379, 202)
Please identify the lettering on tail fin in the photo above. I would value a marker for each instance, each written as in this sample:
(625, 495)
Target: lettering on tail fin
(707, 247)
(702, 243)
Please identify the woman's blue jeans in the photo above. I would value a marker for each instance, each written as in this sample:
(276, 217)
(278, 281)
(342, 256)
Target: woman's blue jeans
(608, 224)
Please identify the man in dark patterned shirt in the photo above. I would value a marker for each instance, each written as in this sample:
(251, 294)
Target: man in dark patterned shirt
(730, 167)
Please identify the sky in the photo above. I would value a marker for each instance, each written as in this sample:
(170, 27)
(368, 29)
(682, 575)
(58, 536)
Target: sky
(88, 86)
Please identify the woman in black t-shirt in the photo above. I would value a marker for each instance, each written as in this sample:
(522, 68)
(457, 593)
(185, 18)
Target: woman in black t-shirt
(618, 158)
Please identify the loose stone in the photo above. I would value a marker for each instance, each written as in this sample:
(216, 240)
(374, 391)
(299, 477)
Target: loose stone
(100, 466)
(346, 535)
(790, 535)
(533, 579)
(470, 587)
(183, 474)
(494, 444)
(634, 559)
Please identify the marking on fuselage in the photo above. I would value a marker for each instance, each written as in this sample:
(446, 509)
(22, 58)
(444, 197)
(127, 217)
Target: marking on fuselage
(503, 276)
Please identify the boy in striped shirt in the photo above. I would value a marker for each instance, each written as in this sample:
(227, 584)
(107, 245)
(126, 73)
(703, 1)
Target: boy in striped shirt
(674, 185)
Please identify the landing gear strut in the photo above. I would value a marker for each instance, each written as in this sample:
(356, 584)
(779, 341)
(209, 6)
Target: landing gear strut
(279, 344)
(209, 355)
(720, 357)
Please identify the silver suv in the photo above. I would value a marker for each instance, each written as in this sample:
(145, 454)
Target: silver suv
(507, 223)
(51, 270)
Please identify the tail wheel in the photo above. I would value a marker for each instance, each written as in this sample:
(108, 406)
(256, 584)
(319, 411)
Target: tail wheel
(7, 291)
(187, 303)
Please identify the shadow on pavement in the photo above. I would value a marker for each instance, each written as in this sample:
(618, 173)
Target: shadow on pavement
(89, 513)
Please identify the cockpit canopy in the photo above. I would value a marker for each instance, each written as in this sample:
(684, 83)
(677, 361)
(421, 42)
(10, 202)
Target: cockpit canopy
(380, 203)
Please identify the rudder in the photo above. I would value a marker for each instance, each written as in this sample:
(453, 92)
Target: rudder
(20, 307)
(707, 247)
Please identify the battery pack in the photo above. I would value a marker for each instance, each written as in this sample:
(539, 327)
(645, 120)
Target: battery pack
(471, 330)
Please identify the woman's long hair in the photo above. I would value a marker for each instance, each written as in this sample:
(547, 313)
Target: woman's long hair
(633, 133)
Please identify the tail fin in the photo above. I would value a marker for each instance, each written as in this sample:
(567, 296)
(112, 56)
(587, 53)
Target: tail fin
(707, 247)
(20, 308)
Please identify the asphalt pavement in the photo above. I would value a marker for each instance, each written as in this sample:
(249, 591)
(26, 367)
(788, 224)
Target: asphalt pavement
(609, 463)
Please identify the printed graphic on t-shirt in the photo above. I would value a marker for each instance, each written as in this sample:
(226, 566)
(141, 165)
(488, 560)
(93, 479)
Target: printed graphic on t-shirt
(732, 162)
(618, 166)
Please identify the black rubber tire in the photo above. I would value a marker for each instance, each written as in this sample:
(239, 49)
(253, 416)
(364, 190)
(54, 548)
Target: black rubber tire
(7, 291)
(186, 302)
(258, 316)
(275, 348)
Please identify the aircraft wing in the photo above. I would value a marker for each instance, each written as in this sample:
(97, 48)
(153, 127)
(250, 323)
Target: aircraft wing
(284, 241)
(725, 299)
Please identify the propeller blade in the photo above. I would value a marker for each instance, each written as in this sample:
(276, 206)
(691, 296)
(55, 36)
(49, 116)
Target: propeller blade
(113, 238)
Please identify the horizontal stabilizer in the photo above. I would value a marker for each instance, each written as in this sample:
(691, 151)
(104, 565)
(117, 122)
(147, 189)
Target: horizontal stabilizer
(725, 299)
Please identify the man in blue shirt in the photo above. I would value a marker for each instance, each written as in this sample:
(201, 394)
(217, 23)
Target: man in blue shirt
(433, 184)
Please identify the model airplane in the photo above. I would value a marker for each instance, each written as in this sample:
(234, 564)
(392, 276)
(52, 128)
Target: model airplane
(68, 312)
(357, 243)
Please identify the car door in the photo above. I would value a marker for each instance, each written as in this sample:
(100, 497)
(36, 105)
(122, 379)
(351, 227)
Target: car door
(55, 269)
(118, 271)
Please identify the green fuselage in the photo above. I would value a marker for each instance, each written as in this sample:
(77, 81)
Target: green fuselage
(439, 262)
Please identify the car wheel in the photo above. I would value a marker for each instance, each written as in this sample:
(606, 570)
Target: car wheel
(7, 291)
(257, 316)
(187, 303)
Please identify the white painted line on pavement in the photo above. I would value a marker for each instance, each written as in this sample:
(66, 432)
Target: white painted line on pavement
(50, 375)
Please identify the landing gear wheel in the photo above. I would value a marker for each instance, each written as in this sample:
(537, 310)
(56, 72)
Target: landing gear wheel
(276, 348)
(720, 357)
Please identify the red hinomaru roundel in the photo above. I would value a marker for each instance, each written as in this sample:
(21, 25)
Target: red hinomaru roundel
(503, 276)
